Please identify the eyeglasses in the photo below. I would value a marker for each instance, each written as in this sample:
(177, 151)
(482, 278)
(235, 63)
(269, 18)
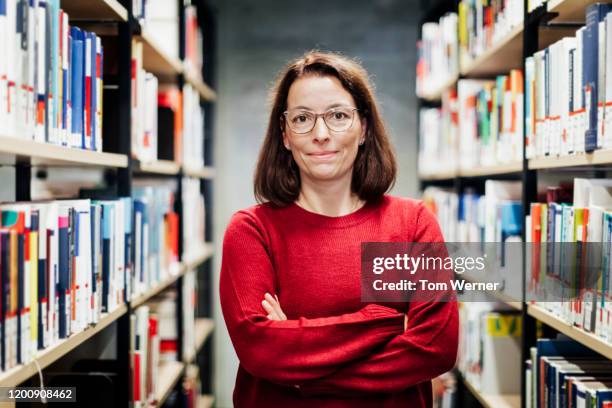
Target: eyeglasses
(337, 119)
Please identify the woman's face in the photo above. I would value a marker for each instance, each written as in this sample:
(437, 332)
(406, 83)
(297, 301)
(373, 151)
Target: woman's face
(323, 154)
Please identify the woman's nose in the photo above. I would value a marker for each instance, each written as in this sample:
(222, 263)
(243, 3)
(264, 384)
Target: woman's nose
(320, 131)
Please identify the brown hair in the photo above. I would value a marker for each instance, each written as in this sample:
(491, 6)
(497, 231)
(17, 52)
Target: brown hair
(277, 177)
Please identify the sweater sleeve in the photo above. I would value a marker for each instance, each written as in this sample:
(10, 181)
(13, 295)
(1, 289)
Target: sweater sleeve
(425, 350)
(291, 351)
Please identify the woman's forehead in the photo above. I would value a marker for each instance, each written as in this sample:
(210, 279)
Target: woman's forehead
(317, 93)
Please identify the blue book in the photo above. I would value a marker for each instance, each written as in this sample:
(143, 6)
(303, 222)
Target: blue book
(140, 209)
(107, 219)
(20, 299)
(63, 284)
(590, 66)
(92, 108)
(77, 80)
(127, 211)
(5, 289)
(603, 396)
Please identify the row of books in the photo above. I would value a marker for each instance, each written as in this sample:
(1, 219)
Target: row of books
(490, 344)
(156, 234)
(193, 128)
(482, 25)
(193, 204)
(437, 54)
(194, 42)
(167, 124)
(481, 124)
(562, 373)
(155, 338)
(561, 275)
(495, 216)
(62, 264)
(569, 103)
(144, 108)
(51, 76)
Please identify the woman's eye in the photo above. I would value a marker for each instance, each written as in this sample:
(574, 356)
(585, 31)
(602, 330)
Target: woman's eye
(340, 115)
(300, 119)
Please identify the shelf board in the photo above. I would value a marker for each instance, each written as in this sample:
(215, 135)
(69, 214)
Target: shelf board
(494, 401)
(203, 329)
(499, 296)
(167, 167)
(46, 357)
(205, 401)
(157, 61)
(144, 297)
(192, 261)
(498, 59)
(441, 175)
(596, 158)
(204, 90)
(504, 168)
(588, 339)
(169, 374)
(13, 150)
(436, 93)
(569, 10)
(205, 172)
(98, 10)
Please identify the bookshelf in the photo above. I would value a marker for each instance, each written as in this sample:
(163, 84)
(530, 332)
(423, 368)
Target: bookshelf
(436, 93)
(114, 18)
(568, 10)
(493, 401)
(46, 357)
(156, 60)
(540, 28)
(14, 150)
(596, 158)
(204, 90)
(166, 167)
(203, 329)
(99, 10)
(206, 401)
(169, 374)
(205, 172)
(588, 339)
(500, 58)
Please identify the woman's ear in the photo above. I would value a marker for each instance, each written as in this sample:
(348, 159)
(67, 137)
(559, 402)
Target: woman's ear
(364, 131)
(286, 141)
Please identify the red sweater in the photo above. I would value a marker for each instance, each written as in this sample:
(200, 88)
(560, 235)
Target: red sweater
(333, 351)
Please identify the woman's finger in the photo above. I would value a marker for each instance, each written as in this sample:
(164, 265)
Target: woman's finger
(268, 307)
(276, 305)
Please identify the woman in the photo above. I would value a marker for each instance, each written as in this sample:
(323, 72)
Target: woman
(290, 276)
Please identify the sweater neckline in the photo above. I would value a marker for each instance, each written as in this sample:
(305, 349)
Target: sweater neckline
(327, 221)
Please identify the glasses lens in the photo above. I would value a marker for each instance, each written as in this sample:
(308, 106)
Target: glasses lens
(300, 121)
(339, 119)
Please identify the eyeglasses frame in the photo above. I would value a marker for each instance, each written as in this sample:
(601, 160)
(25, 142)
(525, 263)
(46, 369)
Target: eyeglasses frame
(322, 115)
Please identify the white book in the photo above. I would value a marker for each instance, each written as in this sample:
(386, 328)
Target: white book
(567, 46)
(99, 95)
(607, 89)
(580, 111)
(601, 82)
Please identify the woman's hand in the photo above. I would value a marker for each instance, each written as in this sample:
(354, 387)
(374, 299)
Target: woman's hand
(273, 308)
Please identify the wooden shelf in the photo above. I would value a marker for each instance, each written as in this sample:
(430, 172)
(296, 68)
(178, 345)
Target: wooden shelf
(158, 167)
(98, 10)
(504, 168)
(169, 374)
(596, 158)
(157, 61)
(569, 10)
(199, 172)
(436, 94)
(144, 297)
(498, 59)
(14, 150)
(192, 261)
(203, 329)
(441, 175)
(50, 355)
(588, 339)
(494, 401)
(205, 401)
(205, 92)
(499, 296)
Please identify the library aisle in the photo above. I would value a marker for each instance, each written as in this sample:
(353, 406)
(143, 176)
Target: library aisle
(179, 229)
